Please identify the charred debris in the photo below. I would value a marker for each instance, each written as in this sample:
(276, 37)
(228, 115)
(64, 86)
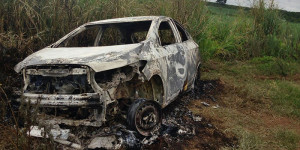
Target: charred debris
(179, 125)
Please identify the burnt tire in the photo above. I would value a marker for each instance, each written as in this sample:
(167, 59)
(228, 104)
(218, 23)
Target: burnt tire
(144, 116)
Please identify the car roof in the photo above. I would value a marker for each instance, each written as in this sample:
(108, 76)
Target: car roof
(127, 19)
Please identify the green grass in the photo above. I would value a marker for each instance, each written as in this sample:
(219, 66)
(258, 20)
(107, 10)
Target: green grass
(221, 11)
(286, 98)
(234, 33)
(221, 31)
(274, 66)
(264, 78)
(250, 141)
(259, 104)
(288, 139)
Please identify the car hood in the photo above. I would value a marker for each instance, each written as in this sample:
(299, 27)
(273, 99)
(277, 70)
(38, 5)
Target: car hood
(98, 58)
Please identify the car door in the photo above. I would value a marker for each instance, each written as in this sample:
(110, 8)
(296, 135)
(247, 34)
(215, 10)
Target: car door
(175, 58)
(192, 54)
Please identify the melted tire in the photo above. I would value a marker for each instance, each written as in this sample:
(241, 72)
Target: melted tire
(144, 116)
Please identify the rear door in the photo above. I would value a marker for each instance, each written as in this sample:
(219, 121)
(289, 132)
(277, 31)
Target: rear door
(175, 56)
(192, 54)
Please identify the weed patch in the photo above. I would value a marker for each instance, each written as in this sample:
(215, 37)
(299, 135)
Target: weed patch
(271, 66)
(286, 98)
(288, 139)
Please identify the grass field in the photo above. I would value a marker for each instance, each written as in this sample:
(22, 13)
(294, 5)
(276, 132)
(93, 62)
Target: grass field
(258, 103)
(253, 52)
(262, 100)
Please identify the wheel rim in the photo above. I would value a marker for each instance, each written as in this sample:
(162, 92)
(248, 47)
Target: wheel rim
(147, 118)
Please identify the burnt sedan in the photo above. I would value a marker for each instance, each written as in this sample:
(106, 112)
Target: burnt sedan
(132, 66)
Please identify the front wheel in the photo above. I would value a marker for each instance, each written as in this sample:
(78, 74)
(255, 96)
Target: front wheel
(144, 116)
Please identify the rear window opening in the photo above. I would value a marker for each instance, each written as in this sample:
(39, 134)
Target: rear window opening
(184, 36)
(109, 34)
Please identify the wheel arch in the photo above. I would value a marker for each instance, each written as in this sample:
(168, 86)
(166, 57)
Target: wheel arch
(158, 89)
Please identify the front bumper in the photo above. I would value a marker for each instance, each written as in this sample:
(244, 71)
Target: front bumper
(59, 100)
(88, 102)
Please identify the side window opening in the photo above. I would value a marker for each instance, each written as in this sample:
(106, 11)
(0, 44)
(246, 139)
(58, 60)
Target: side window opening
(166, 34)
(182, 32)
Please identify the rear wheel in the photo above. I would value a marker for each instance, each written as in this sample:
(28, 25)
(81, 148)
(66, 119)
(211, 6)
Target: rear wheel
(144, 116)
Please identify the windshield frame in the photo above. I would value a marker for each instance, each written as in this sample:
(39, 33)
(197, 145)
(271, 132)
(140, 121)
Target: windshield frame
(85, 26)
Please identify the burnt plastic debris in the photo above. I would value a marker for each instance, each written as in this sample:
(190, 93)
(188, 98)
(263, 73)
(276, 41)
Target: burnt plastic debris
(130, 139)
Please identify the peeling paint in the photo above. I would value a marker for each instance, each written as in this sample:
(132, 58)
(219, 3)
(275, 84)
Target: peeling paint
(105, 79)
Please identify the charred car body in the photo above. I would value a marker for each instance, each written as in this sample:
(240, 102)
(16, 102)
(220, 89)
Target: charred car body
(133, 66)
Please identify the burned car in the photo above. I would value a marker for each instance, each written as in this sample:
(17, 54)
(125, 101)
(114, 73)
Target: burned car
(132, 66)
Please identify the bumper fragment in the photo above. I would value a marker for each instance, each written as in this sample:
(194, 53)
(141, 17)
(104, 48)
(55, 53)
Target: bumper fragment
(76, 100)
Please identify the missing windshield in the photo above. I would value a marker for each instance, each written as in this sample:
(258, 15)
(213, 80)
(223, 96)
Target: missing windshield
(109, 34)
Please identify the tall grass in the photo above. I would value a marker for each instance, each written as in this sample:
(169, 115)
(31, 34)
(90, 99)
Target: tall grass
(246, 34)
(27, 26)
